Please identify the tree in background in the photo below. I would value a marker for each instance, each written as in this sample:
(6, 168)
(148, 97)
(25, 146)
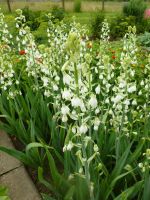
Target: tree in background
(8, 4)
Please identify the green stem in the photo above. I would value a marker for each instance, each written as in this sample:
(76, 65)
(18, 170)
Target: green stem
(76, 79)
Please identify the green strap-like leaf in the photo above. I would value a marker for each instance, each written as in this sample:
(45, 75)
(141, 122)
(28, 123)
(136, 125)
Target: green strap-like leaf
(130, 192)
(146, 193)
(17, 154)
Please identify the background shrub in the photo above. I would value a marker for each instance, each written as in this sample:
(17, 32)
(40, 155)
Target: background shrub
(77, 6)
(144, 39)
(96, 24)
(40, 34)
(32, 18)
(135, 8)
(133, 15)
(119, 25)
(58, 13)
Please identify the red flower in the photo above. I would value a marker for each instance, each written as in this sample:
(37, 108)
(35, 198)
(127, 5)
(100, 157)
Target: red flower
(22, 52)
(113, 57)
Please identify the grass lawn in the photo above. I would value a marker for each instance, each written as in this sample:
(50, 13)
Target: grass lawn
(87, 6)
(89, 9)
(86, 17)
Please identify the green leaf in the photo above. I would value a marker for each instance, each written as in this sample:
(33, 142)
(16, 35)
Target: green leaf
(130, 192)
(68, 136)
(146, 193)
(44, 182)
(47, 197)
(115, 176)
(33, 145)
(57, 178)
(17, 154)
(121, 163)
(134, 156)
(70, 193)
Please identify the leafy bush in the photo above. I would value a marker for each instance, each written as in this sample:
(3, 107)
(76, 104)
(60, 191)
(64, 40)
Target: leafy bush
(40, 34)
(77, 5)
(119, 26)
(32, 18)
(135, 8)
(143, 26)
(58, 13)
(96, 24)
(145, 39)
(133, 15)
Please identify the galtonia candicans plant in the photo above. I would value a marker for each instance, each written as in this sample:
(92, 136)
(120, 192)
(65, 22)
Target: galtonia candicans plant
(77, 110)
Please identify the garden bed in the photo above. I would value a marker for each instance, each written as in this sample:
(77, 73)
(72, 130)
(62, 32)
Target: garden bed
(80, 109)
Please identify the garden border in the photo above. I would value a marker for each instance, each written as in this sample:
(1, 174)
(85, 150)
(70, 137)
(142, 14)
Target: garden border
(14, 176)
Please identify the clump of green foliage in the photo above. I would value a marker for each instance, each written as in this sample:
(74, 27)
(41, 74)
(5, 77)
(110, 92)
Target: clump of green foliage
(58, 13)
(77, 6)
(96, 24)
(32, 18)
(135, 8)
(145, 39)
(133, 15)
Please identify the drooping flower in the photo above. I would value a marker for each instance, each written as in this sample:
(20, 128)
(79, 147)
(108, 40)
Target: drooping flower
(67, 79)
(66, 95)
(83, 129)
(97, 89)
(93, 102)
(70, 146)
(55, 87)
(64, 118)
(22, 52)
(65, 110)
(76, 102)
(132, 89)
(118, 98)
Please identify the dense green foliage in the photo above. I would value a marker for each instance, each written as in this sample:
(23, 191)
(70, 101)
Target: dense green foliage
(135, 8)
(77, 6)
(145, 39)
(58, 13)
(119, 25)
(133, 14)
(96, 24)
